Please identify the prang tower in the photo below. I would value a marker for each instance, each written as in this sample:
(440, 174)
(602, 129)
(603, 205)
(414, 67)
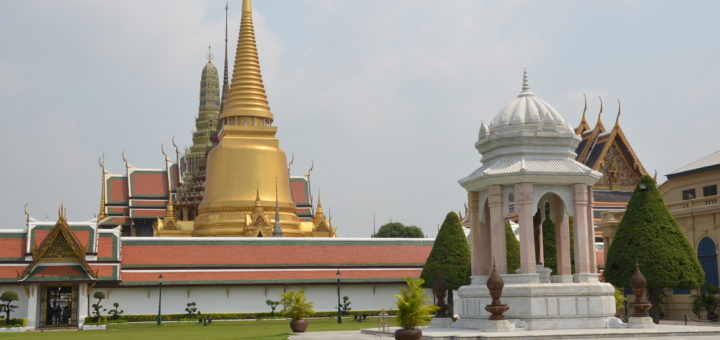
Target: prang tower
(245, 165)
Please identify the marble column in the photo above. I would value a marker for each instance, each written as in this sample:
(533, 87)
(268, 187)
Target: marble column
(525, 211)
(591, 231)
(497, 229)
(562, 237)
(480, 237)
(582, 253)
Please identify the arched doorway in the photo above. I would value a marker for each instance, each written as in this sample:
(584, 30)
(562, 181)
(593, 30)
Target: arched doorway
(707, 255)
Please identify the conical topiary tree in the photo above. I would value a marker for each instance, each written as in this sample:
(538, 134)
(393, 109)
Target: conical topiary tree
(450, 256)
(650, 235)
(512, 249)
(550, 244)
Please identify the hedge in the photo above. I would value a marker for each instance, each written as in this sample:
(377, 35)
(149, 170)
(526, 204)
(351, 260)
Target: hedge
(230, 316)
(17, 322)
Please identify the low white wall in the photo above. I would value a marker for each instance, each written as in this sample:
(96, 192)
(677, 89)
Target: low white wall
(245, 299)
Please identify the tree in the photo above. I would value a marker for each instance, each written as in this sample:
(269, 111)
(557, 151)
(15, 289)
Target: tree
(191, 309)
(397, 229)
(449, 257)
(512, 249)
(345, 306)
(96, 306)
(550, 242)
(7, 298)
(650, 236)
(115, 312)
(273, 305)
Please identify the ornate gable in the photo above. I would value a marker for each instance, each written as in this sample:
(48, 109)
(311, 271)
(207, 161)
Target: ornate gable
(59, 246)
(610, 153)
(618, 162)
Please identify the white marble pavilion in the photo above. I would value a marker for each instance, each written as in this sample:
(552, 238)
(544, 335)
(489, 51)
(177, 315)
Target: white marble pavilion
(528, 162)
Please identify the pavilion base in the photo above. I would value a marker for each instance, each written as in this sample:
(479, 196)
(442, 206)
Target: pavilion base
(640, 322)
(485, 325)
(669, 331)
(537, 306)
(441, 323)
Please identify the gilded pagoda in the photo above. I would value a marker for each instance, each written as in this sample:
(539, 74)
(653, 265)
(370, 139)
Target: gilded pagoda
(233, 181)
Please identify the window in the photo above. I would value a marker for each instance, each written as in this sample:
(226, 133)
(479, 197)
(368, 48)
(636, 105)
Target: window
(688, 194)
(709, 190)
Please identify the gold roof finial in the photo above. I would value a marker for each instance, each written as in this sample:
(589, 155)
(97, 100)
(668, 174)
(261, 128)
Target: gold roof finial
(599, 119)
(584, 108)
(312, 166)
(209, 55)
(319, 204)
(247, 94)
(62, 212)
(257, 194)
(27, 214)
(617, 119)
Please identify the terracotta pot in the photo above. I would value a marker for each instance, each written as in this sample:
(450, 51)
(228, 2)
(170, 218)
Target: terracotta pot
(298, 326)
(408, 334)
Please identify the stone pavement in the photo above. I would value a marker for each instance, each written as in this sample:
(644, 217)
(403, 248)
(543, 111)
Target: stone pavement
(348, 335)
(671, 332)
(344, 335)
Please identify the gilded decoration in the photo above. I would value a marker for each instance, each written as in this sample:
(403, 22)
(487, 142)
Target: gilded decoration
(617, 171)
(60, 245)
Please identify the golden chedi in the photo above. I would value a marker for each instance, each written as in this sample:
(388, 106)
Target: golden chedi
(243, 168)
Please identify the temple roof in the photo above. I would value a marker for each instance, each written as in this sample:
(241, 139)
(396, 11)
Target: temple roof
(709, 162)
(609, 152)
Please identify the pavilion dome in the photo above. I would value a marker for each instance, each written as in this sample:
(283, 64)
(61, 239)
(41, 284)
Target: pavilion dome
(528, 109)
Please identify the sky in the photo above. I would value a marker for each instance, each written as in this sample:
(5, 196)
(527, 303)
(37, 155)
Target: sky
(386, 97)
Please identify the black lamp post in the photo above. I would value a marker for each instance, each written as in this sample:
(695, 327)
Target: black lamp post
(338, 291)
(159, 317)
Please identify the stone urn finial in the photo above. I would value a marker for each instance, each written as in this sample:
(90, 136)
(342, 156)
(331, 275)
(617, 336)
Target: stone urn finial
(440, 289)
(495, 284)
(638, 284)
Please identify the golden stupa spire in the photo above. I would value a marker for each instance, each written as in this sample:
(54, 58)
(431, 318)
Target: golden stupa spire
(319, 214)
(101, 214)
(247, 93)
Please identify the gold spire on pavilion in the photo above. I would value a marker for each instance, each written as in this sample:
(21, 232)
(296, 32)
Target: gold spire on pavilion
(247, 95)
(247, 160)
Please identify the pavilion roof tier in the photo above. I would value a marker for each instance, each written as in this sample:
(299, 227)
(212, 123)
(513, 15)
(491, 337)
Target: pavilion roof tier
(528, 141)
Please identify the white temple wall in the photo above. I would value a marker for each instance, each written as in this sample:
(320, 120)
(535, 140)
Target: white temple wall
(22, 310)
(245, 299)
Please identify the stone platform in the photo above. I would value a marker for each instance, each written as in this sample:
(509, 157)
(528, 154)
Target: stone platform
(660, 331)
(537, 306)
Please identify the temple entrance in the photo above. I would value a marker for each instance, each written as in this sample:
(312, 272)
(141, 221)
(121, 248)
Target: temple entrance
(58, 306)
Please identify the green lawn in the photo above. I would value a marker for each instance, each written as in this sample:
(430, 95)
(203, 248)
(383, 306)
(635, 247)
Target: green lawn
(263, 329)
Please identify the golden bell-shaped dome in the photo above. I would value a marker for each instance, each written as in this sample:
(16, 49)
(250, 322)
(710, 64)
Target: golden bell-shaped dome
(245, 165)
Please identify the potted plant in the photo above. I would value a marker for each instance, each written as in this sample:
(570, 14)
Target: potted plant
(706, 301)
(296, 308)
(413, 310)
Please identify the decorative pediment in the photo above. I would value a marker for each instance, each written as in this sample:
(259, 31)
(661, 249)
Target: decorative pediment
(618, 172)
(59, 246)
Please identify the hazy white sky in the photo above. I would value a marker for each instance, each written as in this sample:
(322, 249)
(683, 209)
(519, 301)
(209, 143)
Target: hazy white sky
(385, 96)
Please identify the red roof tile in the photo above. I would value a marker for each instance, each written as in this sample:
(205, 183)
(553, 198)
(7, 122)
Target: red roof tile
(218, 254)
